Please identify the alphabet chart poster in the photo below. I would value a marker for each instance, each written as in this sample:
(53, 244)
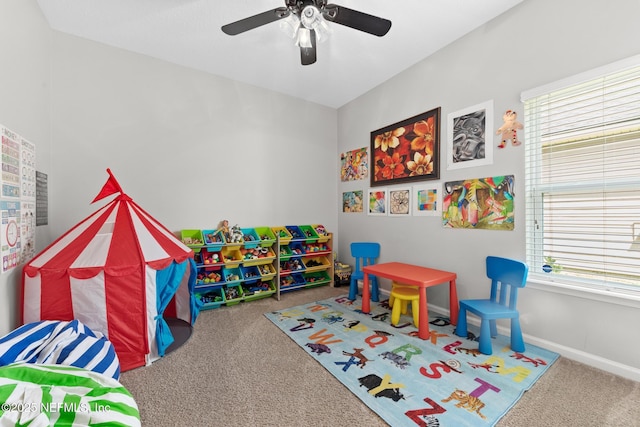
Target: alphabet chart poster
(17, 190)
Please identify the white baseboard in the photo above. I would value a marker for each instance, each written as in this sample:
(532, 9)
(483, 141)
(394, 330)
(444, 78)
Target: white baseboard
(597, 362)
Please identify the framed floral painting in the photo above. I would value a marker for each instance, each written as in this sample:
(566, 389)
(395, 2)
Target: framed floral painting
(407, 151)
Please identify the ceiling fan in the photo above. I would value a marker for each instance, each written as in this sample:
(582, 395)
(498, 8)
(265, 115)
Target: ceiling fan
(306, 21)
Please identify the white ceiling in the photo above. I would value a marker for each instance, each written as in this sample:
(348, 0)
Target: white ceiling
(350, 62)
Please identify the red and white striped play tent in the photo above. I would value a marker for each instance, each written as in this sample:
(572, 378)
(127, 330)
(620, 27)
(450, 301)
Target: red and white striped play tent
(121, 273)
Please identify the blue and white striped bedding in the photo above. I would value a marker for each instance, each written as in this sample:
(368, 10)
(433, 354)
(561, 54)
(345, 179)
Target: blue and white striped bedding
(61, 343)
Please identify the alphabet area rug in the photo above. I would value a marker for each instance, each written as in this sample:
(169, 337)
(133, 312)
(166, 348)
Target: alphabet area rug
(407, 381)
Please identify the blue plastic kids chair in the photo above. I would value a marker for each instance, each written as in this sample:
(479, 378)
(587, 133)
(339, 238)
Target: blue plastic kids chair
(365, 253)
(507, 276)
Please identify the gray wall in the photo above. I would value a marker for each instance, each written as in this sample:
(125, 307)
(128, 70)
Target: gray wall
(190, 148)
(537, 42)
(193, 149)
(25, 91)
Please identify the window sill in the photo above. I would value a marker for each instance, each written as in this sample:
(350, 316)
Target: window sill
(608, 295)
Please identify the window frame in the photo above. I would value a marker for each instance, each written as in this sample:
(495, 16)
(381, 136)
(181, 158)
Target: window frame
(593, 289)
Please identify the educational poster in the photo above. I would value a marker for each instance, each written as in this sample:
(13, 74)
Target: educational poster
(485, 203)
(354, 165)
(42, 198)
(17, 199)
(27, 170)
(10, 234)
(27, 231)
(10, 177)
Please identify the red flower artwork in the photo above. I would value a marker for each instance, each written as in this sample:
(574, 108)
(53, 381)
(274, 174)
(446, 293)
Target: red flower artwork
(407, 151)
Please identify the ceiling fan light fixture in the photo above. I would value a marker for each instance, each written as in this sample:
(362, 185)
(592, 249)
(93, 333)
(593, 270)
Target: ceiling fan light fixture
(310, 17)
(290, 25)
(304, 38)
(323, 31)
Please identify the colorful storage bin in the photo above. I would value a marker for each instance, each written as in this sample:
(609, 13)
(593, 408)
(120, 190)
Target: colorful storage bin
(296, 232)
(212, 298)
(250, 238)
(267, 238)
(323, 234)
(192, 238)
(316, 263)
(316, 278)
(283, 234)
(213, 239)
(309, 233)
(232, 275)
(232, 294)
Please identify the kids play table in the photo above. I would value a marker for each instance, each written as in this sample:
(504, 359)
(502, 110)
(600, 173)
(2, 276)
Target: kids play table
(422, 277)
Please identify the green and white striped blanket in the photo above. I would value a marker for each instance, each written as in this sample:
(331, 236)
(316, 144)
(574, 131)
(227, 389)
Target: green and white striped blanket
(38, 395)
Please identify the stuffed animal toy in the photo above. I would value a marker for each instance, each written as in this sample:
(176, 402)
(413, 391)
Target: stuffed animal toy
(509, 129)
(223, 227)
(236, 234)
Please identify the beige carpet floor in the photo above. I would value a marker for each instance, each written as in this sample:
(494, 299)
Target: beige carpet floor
(238, 369)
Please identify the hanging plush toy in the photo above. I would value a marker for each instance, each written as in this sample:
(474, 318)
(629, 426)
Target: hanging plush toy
(509, 129)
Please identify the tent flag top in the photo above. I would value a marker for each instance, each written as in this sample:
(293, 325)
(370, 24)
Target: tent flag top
(110, 187)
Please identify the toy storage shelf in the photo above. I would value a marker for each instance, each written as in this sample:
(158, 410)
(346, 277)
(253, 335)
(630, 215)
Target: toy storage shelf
(230, 273)
(268, 262)
(305, 257)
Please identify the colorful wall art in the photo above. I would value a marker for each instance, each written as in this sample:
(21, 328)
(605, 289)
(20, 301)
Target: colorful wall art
(470, 137)
(426, 201)
(378, 204)
(400, 202)
(352, 201)
(407, 151)
(354, 165)
(485, 203)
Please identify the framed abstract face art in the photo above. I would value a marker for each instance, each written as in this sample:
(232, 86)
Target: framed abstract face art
(406, 151)
(469, 137)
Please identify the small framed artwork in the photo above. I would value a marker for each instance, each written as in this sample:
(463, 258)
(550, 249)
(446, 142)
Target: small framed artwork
(354, 165)
(426, 201)
(400, 202)
(469, 136)
(406, 151)
(377, 202)
(352, 201)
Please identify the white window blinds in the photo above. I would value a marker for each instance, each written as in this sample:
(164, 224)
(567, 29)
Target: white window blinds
(582, 180)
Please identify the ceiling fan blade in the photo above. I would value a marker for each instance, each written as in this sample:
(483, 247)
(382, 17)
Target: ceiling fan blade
(357, 20)
(255, 21)
(308, 54)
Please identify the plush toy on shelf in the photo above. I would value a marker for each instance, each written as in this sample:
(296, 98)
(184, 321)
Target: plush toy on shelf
(235, 236)
(509, 129)
(223, 227)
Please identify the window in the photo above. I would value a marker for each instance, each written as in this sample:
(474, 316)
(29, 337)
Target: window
(582, 178)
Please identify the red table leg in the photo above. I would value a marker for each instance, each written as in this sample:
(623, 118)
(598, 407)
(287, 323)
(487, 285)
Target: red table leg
(366, 306)
(453, 303)
(423, 318)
